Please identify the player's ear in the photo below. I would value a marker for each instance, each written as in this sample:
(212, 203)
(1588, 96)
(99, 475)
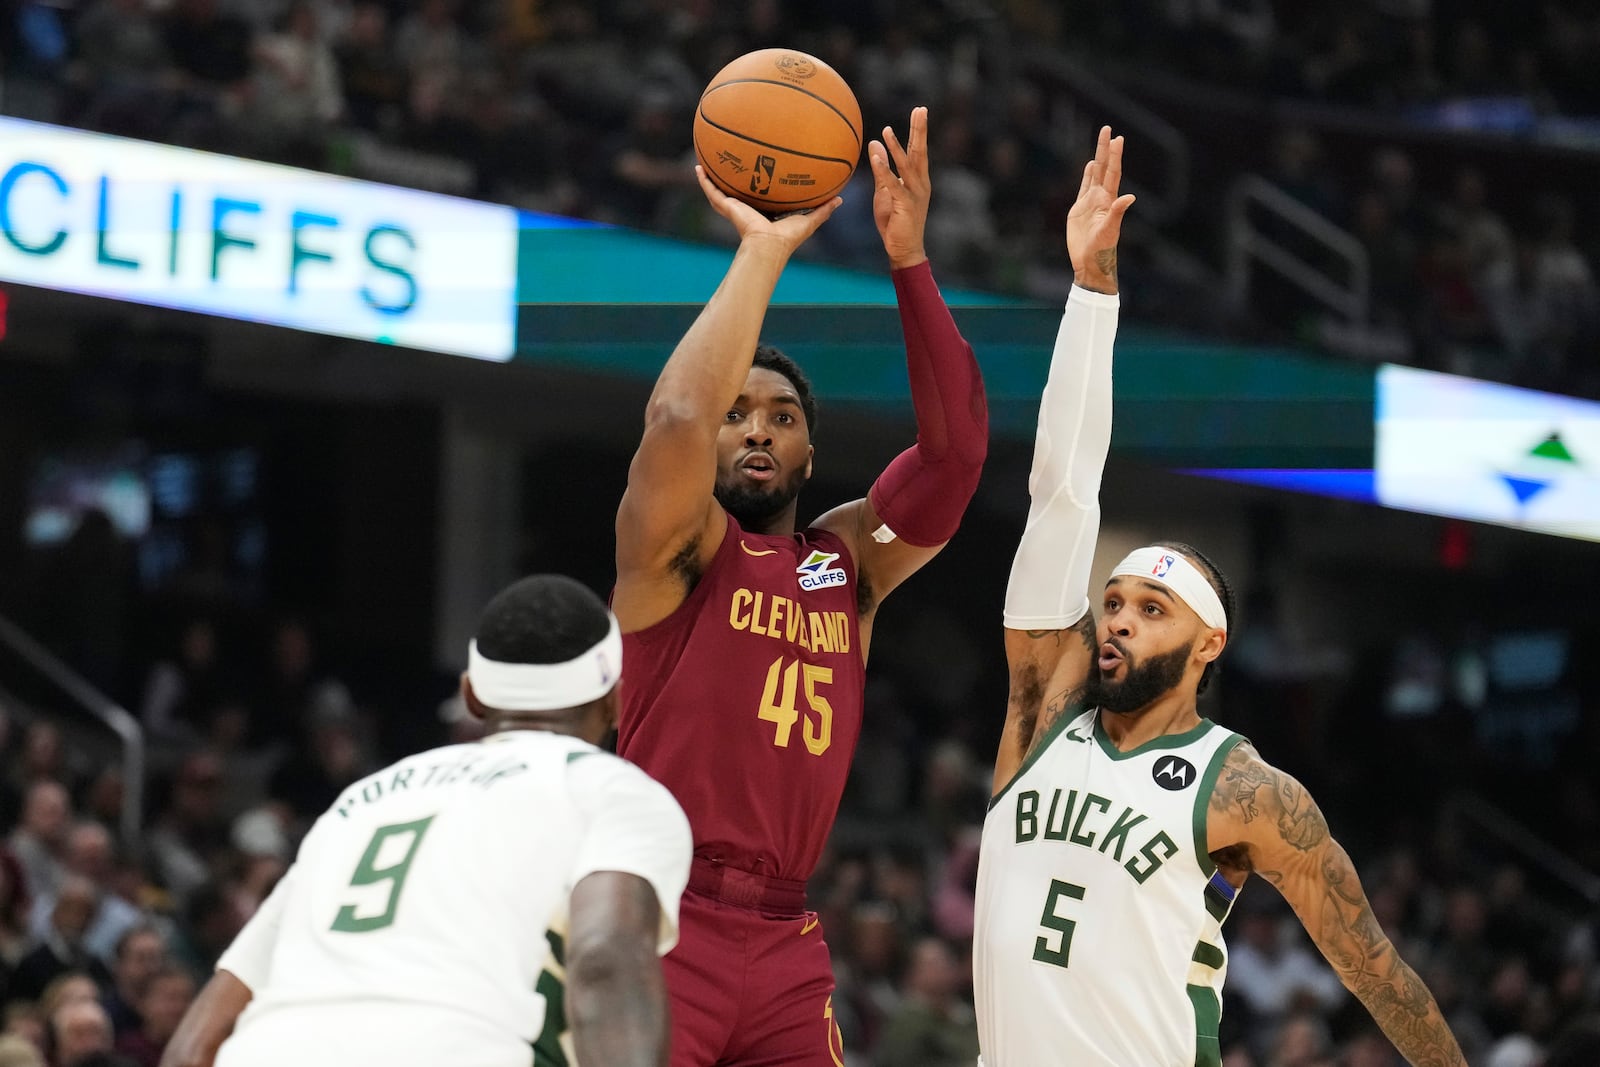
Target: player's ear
(811, 451)
(468, 697)
(1211, 644)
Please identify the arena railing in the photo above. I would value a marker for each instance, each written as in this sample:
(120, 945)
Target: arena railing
(1250, 243)
(108, 712)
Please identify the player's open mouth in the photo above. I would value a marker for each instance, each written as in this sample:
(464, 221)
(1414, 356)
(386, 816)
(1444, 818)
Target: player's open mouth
(1110, 657)
(761, 468)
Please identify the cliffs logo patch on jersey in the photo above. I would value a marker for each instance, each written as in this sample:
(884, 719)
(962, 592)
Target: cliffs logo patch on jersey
(1174, 773)
(1163, 565)
(815, 572)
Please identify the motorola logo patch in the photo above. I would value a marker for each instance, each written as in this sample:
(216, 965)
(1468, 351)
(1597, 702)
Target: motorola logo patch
(1174, 773)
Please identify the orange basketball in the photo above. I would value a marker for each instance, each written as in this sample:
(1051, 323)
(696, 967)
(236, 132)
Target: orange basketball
(778, 129)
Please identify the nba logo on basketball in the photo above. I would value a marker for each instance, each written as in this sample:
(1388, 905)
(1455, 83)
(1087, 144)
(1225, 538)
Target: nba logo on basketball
(1163, 565)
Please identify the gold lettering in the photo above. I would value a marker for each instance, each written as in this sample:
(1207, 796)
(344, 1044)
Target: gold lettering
(794, 624)
(755, 615)
(739, 610)
(838, 630)
(775, 617)
(821, 633)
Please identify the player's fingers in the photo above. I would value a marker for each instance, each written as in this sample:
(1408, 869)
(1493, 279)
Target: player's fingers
(878, 157)
(1120, 208)
(1113, 179)
(1088, 179)
(917, 139)
(895, 150)
(1102, 150)
(819, 215)
(713, 194)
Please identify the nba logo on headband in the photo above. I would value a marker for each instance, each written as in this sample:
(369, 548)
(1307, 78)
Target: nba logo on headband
(1163, 565)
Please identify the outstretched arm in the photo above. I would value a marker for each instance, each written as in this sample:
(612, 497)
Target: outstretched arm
(1261, 819)
(917, 503)
(668, 515)
(1050, 632)
(616, 996)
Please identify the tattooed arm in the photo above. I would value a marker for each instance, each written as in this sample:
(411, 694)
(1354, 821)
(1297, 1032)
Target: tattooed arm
(1262, 820)
(1050, 633)
(1048, 669)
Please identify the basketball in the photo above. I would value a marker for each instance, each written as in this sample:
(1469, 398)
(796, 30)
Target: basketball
(779, 130)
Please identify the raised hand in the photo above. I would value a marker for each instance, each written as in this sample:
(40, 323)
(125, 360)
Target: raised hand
(789, 231)
(1094, 225)
(900, 196)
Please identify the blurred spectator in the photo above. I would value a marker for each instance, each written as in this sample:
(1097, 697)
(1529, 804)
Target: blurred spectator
(652, 159)
(61, 949)
(1301, 1041)
(78, 1029)
(18, 1051)
(296, 95)
(24, 1020)
(297, 691)
(933, 1026)
(140, 955)
(181, 692)
(333, 757)
(125, 68)
(209, 922)
(168, 994)
(209, 46)
(190, 830)
(15, 937)
(90, 853)
(374, 85)
(41, 834)
(1463, 950)
(1270, 967)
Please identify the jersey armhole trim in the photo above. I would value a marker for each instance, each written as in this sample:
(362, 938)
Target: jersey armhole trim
(1202, 801)
(1068, 717)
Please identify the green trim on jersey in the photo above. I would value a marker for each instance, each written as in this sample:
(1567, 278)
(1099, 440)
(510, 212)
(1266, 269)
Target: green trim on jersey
(547, 1050)
(1202, 801)
(1188, 737)
(1207, 1021)
(1209, 955)
(1067, 718)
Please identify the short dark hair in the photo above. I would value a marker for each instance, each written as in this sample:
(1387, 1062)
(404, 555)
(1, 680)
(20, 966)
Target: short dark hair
(772, 359)
(543, 618)
(1219, 582)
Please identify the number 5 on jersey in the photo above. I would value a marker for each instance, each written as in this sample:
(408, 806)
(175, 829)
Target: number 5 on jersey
(399, 856)
(1042, 951)
(779, 709)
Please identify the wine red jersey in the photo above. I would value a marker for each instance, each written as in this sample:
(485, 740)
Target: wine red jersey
(746, 701)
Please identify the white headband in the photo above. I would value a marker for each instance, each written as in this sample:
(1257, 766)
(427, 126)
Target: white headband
(547, 686)
(1159, 564)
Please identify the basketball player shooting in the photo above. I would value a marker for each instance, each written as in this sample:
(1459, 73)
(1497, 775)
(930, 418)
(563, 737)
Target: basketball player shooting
(1123, 824)
(747, 640)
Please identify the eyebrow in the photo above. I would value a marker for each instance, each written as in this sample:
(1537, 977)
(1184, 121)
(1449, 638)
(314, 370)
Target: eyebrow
(781, 398)
(1151, 586)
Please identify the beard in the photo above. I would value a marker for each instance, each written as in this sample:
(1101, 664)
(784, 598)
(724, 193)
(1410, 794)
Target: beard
(752, 504)
(1142, 685)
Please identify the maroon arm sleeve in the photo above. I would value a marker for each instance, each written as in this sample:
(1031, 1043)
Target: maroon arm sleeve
(922, 495)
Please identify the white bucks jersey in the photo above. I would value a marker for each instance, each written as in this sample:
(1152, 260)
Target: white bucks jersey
(1098, 938)
(422, 921)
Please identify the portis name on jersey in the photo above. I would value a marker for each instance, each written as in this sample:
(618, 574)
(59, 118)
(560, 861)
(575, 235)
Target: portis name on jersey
(472, 770)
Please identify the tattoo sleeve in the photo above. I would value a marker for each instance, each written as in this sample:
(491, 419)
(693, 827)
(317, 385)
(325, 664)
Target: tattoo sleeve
(1056, 706)
(1286, 841)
